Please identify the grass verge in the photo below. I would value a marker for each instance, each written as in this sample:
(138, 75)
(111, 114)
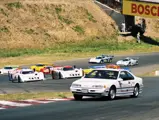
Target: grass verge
(149, 74)
(40, 95)
(73, 50)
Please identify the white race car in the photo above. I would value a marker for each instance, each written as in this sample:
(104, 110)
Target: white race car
(102, 59)
(7, 69)
(67, 72)
(24, 75)
(107, 82)
(128, 62)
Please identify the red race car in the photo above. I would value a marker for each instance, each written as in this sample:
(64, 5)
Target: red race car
(49, 69)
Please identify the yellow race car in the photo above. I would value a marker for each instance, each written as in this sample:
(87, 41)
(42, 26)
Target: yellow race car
(90, 68)
(38, 67)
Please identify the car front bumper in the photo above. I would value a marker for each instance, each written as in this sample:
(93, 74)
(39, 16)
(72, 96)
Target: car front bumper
(90, 92)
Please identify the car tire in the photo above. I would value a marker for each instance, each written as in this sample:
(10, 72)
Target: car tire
(137, 62)
(19, 79)
(53, 75)
(112, 93)
(101, 61)
(135, 92)
(77, 97)
(59, 76)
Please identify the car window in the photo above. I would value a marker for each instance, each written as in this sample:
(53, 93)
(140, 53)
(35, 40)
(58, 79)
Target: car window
(8, 68)
(68, 68)
(40, 65)
(27, 72)
(131, 77)
(103, 74)
(125, 60)
(126, 76)
(98, 57)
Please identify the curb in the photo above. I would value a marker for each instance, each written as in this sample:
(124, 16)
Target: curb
(24, 103)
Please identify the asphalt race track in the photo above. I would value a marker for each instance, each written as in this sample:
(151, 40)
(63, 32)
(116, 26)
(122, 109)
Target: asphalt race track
(63, 85)
(145, 107)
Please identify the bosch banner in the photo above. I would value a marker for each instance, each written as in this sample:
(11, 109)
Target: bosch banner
(143, 9)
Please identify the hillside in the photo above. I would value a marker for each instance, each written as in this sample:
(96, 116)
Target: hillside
(44, 23)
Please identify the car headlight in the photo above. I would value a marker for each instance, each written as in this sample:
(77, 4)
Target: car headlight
(99, 86)
(75, 85)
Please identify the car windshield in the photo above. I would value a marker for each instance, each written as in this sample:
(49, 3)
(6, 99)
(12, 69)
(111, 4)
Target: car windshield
(125, 60)
(48, 67)
(27, 72)
(98, 57)
(67, 68)
(40, 65)
(103, 74)
(8, 68)
(95, 67)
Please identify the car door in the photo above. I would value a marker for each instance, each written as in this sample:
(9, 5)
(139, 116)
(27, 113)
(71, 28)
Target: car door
(126, 84)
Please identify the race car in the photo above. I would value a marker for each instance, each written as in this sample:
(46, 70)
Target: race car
(7, 69)
(67, 72)
(46, 69)
(127, 62)
(90, 68)
(102, 59)
(38, 67)
(24, 75)
(49, 69)
(109, 83)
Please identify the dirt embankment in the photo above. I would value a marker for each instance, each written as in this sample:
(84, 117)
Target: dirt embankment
(41, 23)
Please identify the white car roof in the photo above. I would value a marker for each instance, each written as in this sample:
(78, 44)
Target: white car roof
(26, 70)
(110, 69)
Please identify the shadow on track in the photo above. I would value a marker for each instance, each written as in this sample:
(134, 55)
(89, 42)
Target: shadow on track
(105, 99)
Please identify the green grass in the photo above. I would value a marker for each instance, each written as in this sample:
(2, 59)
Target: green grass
(4, 29)
(40, 95)
(61, 18)
(14, 5)
(3, 12)
(78, 29)
(90, 16)
(90, 45)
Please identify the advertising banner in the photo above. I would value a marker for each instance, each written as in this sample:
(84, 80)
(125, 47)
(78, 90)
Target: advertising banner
(138, 8)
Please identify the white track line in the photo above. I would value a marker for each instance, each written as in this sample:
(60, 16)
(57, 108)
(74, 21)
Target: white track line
(14, 104)
(60, 99)
(1, 108)
(38, 101)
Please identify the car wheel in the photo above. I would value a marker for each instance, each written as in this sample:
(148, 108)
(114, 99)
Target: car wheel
(112, 93)
(19, 79)
(59, 76)
(137, 62)
(135, 92)
(77, 97)
(101, 61)
(110, 60)
(53, 74)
